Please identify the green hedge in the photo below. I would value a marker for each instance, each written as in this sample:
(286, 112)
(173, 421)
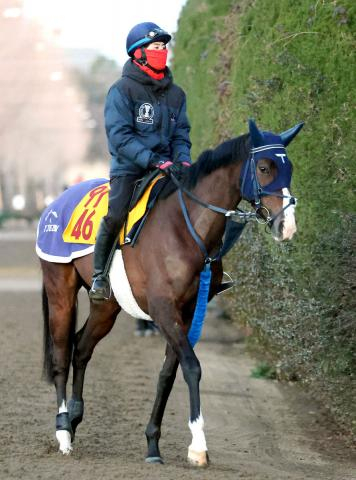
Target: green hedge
(282, 62)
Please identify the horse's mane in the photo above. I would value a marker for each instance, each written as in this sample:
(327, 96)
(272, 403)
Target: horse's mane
(231, 151)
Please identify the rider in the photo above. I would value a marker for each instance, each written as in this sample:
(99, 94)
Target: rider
(147, 127)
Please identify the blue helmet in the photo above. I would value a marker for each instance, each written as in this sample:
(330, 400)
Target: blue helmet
(143, 34)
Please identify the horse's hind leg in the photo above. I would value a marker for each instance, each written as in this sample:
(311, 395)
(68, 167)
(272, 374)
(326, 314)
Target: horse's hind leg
(61, 285)
(100, 322)
(164, 387)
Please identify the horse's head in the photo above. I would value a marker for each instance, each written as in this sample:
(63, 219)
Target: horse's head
(266, 177)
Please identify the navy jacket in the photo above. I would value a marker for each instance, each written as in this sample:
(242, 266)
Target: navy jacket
(145, 121)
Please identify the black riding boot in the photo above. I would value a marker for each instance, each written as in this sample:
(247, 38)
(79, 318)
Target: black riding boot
(104, 251)
(121, 189)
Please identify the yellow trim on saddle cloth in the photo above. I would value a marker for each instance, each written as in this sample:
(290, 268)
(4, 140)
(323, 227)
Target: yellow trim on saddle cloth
(138, 210)
(84, 222)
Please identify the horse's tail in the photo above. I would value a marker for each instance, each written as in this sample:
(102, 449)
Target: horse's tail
(48, 367)
(47, 341)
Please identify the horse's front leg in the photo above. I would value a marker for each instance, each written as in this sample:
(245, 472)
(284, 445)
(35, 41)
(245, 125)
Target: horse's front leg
(169, 319)
(100, 322)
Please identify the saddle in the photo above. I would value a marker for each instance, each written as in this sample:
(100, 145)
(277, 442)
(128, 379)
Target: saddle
(82, 207)
(146, 192)
(140, 186)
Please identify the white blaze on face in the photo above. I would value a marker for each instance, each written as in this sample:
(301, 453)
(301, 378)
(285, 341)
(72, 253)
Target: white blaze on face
(289, 226)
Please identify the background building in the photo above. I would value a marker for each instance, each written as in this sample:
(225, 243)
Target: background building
(44, 122)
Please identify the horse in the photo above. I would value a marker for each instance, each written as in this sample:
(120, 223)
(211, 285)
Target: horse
(163, 272)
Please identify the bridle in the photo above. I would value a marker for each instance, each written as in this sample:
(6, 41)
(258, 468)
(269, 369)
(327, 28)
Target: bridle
(261, 214)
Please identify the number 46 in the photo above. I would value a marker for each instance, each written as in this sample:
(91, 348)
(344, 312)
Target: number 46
(84, 226)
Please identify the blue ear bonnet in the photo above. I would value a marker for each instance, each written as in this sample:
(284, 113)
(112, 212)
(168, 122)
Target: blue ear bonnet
(271, 146)
(275, 151)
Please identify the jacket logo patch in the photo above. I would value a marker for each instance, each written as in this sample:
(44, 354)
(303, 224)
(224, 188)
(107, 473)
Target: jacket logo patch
(145, 113)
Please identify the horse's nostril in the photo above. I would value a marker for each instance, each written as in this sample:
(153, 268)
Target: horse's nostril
(281, 227)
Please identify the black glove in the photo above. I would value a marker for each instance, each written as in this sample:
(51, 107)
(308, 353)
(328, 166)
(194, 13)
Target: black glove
(168, 167)
(177, 169)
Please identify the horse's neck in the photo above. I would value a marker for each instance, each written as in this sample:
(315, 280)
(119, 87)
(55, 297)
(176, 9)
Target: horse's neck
(219, 189)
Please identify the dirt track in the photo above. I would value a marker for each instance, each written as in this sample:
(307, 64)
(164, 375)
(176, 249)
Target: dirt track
(255, 429)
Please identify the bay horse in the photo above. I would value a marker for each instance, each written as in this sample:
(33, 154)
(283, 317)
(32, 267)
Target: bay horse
(163, 271)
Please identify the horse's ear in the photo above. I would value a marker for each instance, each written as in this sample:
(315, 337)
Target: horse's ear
(256, 136)
(288, 135)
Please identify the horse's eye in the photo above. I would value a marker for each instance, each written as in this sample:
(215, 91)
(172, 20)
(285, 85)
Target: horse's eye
(263, 169)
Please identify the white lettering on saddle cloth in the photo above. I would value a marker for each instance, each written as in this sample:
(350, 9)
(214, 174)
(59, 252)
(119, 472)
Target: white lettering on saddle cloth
(51, 227)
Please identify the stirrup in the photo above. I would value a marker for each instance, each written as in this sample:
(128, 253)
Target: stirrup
(100, 294)
(224, 286)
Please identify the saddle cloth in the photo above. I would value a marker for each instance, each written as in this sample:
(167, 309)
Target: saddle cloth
(67, 228)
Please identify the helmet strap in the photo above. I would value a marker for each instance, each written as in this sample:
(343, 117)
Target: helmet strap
(143, 60)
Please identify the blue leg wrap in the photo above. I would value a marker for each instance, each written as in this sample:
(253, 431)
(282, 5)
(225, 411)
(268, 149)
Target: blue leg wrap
(75, 413)
(200, 308)
(62, 422)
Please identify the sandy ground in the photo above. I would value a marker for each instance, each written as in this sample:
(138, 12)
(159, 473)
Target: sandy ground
(255, 429)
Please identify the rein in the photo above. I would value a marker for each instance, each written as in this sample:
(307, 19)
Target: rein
(261, 214)
(205, 275)
(235, 215)
(238, 216)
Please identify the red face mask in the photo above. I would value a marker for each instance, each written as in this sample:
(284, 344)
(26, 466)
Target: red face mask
(157, 59)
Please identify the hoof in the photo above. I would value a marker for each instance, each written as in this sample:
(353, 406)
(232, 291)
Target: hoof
(198, 459)
(64, 440)
(154, 460)
(66, 450)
